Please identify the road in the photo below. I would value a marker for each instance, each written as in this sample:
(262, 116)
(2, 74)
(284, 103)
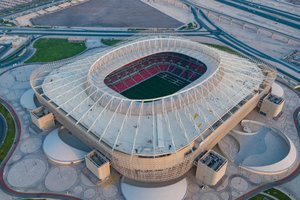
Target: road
(270, 9)
(3, 184)
(283, 67)
(25, 10)
(21, 54)
(263, 12)
(88, 32)
(258, 26)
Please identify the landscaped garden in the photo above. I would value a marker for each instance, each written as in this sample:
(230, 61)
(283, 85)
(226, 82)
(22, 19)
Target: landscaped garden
(271, 194)
(224, 48)
(9, 139)
(111, 42)
(53, 49)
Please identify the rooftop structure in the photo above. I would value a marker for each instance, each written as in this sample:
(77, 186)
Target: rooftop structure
(213, 161)
(211, 168)
(272, 105)
(98, 164)
(42, 118)
(275, 99)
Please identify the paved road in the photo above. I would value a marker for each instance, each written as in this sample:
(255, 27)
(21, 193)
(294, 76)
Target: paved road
(258, 26)
(268, 14)
(24, 10)
(87, 32)
(270, 9)
(3, 184)
(4, 49)
(287, 69)
(19, 55)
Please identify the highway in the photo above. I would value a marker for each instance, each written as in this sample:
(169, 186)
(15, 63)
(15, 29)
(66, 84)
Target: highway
(270, 9)
(25, 9)
(266, 13)
(210, 30)
(286, 69)
(97, 33)
(292, 37)
(19, 55)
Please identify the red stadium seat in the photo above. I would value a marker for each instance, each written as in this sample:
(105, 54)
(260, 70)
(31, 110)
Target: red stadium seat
(135, 72)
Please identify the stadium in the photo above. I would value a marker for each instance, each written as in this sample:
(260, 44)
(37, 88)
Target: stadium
(154, 105)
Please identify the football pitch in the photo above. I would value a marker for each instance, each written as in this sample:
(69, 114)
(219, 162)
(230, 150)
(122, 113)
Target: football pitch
(159, 85)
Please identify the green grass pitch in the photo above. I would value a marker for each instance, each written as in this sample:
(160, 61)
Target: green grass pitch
(162, 84)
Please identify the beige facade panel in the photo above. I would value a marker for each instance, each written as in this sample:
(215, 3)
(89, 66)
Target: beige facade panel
(272, 108)
(98, 164)
(207, 174)
(42, 118)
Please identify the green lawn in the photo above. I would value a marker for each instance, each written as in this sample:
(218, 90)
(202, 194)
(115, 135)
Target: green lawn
(52, 49)
(277, 193)
(297, 88)
(154, 87)
(223, 48)
(110, 42)
(261, 197)
(189, 26)
(10, 133)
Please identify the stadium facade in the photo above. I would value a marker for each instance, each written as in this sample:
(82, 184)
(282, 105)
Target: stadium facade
(152, 106)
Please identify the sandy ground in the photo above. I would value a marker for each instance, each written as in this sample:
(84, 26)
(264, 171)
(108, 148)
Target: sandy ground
(182, 15)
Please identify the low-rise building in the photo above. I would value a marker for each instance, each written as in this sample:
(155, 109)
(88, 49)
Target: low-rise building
(42, 118)
(272, 105)
(98, 164)
(211, 168)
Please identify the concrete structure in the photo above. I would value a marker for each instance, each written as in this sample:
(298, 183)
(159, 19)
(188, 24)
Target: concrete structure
(175, 191)
(153, 140)
(272, 105)
(76, 39)
(98, 164)
(277, 90)
(211, 168)
(27, 100)
(58, 151)
(260, 149)
(42, 118)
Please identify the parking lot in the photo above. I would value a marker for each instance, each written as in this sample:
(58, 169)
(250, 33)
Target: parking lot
(109, 13)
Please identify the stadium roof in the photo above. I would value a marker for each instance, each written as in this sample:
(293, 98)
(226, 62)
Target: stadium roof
(153, 126)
